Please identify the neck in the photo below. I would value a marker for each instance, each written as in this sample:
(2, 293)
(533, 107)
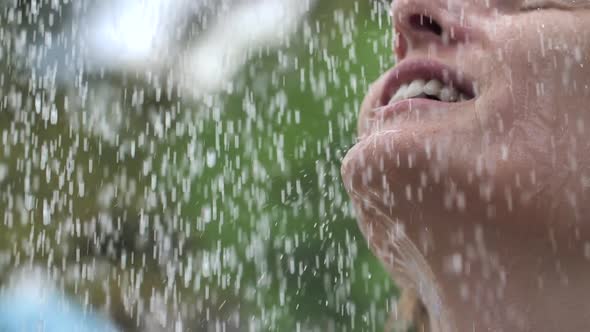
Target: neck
(507, 274)
(493, 276)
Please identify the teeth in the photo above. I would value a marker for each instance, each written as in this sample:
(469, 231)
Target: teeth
(433, 88)
(448, 94)
(416, 88)
(400, 94)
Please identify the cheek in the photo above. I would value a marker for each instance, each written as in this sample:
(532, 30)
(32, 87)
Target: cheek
(547, 52)
(539, 92)
(534, 75)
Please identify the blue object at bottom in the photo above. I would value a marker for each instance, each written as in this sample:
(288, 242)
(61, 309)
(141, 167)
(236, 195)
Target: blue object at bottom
(34, 309)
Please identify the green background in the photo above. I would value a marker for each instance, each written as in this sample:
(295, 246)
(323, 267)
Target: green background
(230, 207)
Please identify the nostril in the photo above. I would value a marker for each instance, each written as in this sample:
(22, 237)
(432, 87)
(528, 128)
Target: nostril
(426, 23)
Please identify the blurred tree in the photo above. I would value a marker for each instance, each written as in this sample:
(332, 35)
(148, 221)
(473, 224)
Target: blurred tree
(169, 211)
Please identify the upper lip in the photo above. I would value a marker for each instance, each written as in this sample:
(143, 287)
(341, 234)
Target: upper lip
(412, 69)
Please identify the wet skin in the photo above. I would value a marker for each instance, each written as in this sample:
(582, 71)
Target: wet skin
(482, 206)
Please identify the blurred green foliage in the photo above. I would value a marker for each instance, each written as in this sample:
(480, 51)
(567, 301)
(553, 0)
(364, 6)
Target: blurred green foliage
(234, 203)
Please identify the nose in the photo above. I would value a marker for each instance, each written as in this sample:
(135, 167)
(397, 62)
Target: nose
(424, 23)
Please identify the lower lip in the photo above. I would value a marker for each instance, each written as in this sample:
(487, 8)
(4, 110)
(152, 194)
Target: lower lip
(407, 105)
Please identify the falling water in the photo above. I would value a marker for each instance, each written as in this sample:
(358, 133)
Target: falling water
(175, 165)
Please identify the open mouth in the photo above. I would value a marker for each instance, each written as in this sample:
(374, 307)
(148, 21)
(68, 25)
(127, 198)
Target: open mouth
(426, 79)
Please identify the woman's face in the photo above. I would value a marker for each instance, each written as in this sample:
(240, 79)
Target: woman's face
(493, 130)
(511, 137)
